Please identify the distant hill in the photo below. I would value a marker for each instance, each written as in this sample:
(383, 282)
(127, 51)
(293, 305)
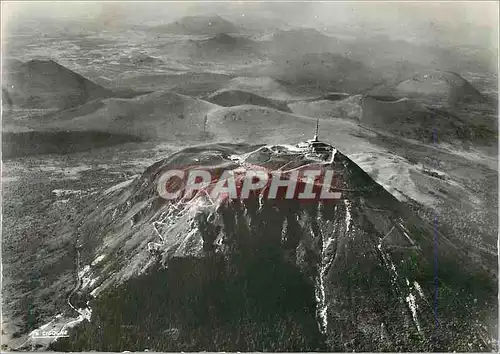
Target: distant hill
(47, 84)
(142, 59)
(186, 83)
(230, 98)
(261, 25)
(10, 64)
(262, 85)
(438, 87)
(199, 25)
(324, 71)
(301, 41)
(59, 142)
(218, 47)
(345, 108)
(7, 102)
(223, 41)
(411, 119)
(152, 116)
(173, 117)
(334, 96)
(262, 124)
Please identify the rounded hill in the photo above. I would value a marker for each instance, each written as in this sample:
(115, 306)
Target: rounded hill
(47, 84)
(438, 87)
(324, 71)
(261, 85)
(218, 47)
(302, 40)
(231, 97)
(411, 119)
(152, 116)
(349, 107)
(199, 25)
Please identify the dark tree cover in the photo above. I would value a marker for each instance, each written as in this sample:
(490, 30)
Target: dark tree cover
(245, 303)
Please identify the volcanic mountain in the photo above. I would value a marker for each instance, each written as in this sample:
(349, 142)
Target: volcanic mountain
(262, 85)
(439, 87)
(402, 117)
(172, 117)
(142, 59)
(199, 25)
(46, 84)
(301, 41)
(340, 107)
(412, 119)
(229, 40)
(11, 64)
(151, 116)
(229, 98)
(324, 72)
(213, 48)
(187, 83)
(358, 273)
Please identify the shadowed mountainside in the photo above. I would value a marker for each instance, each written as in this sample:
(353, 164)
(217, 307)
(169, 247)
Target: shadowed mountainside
(185, 83)
(45, 84)
(167, 116)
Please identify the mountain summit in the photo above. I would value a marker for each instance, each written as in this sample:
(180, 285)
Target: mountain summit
(363, 268)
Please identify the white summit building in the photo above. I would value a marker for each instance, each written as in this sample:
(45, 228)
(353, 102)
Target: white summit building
(312, 149)
(314, 145)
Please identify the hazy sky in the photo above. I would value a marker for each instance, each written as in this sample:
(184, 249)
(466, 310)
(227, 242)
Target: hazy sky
(471, 19)
(476, 12)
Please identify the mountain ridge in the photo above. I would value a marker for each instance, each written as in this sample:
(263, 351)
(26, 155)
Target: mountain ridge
(368, 252)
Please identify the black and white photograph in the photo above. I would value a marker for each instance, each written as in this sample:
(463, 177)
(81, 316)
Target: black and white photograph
(249, 176)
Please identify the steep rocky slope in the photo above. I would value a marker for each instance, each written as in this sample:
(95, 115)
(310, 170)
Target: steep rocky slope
(365, 268)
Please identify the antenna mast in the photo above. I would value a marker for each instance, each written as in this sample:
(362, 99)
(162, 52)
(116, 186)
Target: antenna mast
(317, 128)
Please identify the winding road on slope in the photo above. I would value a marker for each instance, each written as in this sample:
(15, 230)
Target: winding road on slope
(81, 314)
